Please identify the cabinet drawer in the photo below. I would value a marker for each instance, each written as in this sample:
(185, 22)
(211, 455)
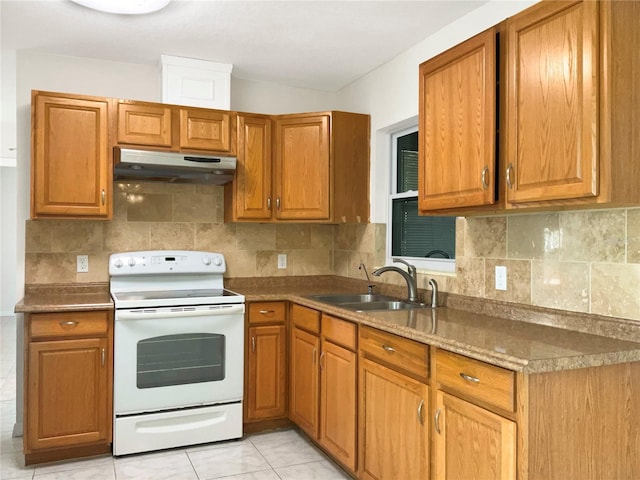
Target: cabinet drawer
(305, 318)
(488, 383)
(339, 331)
(402, 353)
(267, 312)
(69, 324)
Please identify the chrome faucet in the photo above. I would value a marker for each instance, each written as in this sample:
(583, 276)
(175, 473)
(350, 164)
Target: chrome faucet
(370, 285)
(410, 277)
(434, 293)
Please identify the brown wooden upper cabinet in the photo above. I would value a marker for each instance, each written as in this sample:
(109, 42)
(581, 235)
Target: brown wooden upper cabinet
(457, 151)
(71, 173)
(319, 170)
(566, 132)
(174, 127)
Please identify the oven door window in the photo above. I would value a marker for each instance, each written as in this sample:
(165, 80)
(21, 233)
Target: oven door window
(180, 359)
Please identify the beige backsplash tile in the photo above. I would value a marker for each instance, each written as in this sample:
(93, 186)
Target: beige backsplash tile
(562, 285)
(346, 236)
(255, 236)
(196, 207)
(533, 236)
(380, 239)
(341, 259)
(38, 236)
(77, 236)
(633, 235)
(485, 237)
(98, 269)
(366, 238)
(293, 236)
(50, 268)
(214, 237)
(149, 207)
(172, 236)
(126, 236)
(615, 290)
(240, 263)
(311, 262)
(469, 279)
(594, 236)
(154, 187)
(322, 236)
(518, 280)
(267, 263)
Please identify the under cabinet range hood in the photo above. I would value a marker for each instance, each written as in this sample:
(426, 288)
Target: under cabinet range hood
(172, 167)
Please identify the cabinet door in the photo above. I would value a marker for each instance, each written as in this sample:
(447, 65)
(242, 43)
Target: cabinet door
(394, 432)
(303, 381)
(205, 129)
(302, 180)
(471, 442)
(68, 393)
(338, 370)
(141, 124)
(457, 153)
(266, 384)
(252, 183)
(552, 103)
(71, 172)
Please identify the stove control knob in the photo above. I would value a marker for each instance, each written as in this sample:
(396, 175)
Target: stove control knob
(118, 263)
(206, 261)
(132, 262)
(217, 261)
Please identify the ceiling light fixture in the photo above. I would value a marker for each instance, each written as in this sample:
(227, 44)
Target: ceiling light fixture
(124, 7)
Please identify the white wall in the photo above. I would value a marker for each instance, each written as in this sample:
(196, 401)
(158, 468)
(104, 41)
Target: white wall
(390, 93)
(8, 238)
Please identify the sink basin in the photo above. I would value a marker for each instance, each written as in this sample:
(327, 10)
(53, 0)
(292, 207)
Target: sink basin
(385, 305)
(339, 299)
(367, 302)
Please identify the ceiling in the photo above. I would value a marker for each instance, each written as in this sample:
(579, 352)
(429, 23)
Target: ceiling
(321, 45)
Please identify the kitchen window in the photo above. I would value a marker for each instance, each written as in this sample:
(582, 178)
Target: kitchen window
(429, 243)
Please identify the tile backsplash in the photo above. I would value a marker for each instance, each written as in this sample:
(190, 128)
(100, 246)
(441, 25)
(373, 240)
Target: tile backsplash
(583, 261)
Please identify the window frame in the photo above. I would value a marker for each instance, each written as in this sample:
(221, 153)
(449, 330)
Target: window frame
(432, 265)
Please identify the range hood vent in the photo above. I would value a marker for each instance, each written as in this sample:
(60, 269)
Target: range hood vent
(172, 167)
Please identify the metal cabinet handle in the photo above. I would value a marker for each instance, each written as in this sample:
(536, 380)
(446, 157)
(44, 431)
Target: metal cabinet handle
(253, 344)
(485, 185)
(104, 197)
(268, 203)
(469, 378)
(388, 348)
(436, 421)
(102, 357)
(278, 203)
(265, 312)
(321, 356)
(509, 169)
(68, 324)
(420, 408)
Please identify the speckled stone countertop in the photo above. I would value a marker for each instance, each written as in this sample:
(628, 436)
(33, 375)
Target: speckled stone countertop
(521, 338)
(515, 344)
(65, 298)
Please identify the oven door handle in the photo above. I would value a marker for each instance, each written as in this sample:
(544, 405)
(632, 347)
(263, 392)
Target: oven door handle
(150, 313)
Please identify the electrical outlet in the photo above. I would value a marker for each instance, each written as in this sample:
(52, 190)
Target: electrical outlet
(282, 261)
(501, 278)
(82, 263)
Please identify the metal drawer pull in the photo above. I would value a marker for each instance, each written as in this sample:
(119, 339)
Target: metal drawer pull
(420, 408)
(268, 203)
(436, 421)
(253, 344)
(509, 168)
(485, 185)
(278, 203)
(264, 312)
(469, 378)
(102, 356)
(104, 197)
(388, 348)
(69, 324)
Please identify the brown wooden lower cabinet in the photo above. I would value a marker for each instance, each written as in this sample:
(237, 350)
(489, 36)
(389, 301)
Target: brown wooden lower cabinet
(394, 426)
(471, 442)
(303, 381)
(68, 385)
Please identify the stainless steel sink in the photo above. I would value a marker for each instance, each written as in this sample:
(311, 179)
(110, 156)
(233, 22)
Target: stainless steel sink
(367, 302)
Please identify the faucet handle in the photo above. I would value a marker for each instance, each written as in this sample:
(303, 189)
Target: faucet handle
(412, 268)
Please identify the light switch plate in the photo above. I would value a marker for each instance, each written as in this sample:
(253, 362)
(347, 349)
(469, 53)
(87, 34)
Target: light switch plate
(282, 261)
(82, 263)
(501, 277)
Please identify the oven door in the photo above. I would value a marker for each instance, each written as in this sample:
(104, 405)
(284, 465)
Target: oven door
(174, 357)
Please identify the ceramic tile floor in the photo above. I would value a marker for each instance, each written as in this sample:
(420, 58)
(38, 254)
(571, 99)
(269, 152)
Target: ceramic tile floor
(281, 455)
